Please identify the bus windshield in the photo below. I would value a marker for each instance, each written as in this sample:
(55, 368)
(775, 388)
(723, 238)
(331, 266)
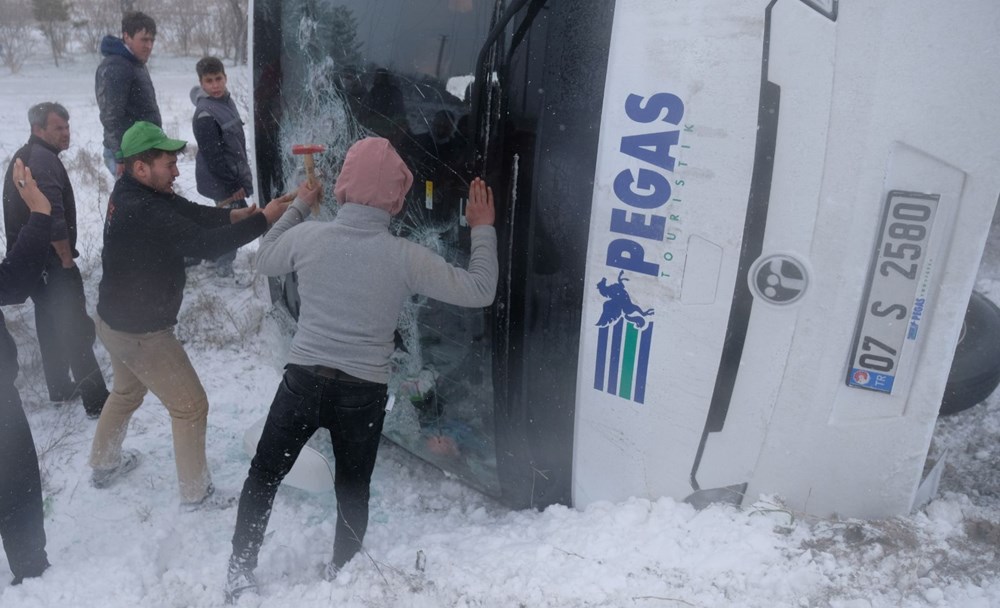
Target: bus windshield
(332, 72)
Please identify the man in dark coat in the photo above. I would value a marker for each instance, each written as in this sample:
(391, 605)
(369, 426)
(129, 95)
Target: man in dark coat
(222, 170)
(65, 331)
(122, 84)
(21, 516)
(148, 231)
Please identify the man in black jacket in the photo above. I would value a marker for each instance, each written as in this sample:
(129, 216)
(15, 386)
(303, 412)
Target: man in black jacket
(148, 232)
(21, 517)
(65, 331)
(122, 84)
(222, 170)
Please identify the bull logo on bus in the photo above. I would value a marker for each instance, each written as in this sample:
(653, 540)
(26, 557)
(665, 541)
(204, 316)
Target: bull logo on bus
(623, 343)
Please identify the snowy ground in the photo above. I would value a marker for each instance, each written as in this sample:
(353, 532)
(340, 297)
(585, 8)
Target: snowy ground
(129, 546)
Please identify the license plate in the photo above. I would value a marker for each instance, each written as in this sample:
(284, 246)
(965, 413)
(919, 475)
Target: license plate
(891, 311)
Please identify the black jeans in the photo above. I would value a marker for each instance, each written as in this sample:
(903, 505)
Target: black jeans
(21, 517)
(66, 338)
(353, 412)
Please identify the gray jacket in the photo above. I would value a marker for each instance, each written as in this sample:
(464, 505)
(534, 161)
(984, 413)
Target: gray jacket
(354, 278)
(221, 165)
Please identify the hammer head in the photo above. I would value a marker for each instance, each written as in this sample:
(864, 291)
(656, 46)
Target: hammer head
(308, 148)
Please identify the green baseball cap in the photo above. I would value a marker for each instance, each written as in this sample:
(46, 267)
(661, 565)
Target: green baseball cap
(143, 136)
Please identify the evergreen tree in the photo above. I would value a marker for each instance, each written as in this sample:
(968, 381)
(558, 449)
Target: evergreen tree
(344, 46)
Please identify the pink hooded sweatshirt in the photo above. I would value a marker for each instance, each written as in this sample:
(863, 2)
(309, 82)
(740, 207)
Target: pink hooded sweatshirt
(374, 175)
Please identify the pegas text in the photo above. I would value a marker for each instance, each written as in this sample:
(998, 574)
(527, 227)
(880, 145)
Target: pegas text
(643, 193)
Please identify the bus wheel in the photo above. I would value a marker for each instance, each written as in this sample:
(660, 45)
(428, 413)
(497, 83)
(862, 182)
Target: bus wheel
(975, 370)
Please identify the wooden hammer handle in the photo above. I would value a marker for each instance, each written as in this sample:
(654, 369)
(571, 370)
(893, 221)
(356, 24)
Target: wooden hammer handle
(310, 166)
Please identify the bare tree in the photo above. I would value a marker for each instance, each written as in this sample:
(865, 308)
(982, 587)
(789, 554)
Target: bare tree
(236, 29)
(53, 20)
(179, 20)
(205, 26)
(16, 41)
(94, 19)
(206, 35)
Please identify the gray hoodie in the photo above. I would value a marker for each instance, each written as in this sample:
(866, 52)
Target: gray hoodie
(354, 277)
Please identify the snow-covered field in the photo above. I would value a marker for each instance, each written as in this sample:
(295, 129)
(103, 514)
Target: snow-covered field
(434, 542)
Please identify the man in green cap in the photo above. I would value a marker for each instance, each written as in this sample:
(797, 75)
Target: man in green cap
(148, 231)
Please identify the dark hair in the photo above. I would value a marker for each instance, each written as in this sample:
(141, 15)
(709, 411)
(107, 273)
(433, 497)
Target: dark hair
(136, 21)
(147, 156)
(209, 65)
(38, 114)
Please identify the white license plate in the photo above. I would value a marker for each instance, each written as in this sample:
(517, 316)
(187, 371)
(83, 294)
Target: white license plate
(890, 314)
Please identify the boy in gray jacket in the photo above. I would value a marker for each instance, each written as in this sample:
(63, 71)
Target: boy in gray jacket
(354, 277)
(222, 170)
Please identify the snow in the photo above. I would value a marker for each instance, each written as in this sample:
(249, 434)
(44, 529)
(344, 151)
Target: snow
(432, 541)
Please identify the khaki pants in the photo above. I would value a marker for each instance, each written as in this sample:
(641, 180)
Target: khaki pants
(155, 362)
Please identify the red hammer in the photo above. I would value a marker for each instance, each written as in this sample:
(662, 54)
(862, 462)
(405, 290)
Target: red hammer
(307, 150)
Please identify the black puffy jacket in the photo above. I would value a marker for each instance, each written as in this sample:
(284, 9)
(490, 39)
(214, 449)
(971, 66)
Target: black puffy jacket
(124, 92)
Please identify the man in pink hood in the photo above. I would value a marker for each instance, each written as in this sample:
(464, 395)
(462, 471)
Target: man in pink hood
(354, 277)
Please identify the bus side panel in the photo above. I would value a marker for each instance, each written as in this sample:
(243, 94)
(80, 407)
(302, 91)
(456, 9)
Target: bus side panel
(675, 162)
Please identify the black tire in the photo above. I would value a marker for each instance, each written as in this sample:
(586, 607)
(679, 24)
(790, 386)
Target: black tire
(975, 370)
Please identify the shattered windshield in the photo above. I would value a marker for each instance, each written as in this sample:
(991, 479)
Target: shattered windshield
(332, 72)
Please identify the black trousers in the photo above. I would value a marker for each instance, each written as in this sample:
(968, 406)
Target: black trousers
(226, 259)
(353, 412)
(66, 338)
(21, 517)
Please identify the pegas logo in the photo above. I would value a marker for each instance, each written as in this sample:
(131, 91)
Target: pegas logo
(637, 227)
(624, 336)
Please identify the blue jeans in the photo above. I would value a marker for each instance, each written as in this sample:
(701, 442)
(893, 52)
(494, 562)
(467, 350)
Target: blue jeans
(353, 412)
(111, 162)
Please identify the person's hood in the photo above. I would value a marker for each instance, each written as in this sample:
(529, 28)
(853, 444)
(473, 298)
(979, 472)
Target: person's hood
(197, 93)
(113, 45)
(374, 175)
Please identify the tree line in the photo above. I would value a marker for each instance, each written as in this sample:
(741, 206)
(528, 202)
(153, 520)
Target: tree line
(184, 27)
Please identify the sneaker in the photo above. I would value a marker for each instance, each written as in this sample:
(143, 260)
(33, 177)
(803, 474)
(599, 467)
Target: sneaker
(330, 572)
(94, 403)
(239, 583)
(224, 270)
(212, 501)
(103, 478)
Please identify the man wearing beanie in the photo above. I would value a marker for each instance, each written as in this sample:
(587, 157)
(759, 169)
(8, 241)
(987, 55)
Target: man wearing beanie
(148, 231)
(354, 277)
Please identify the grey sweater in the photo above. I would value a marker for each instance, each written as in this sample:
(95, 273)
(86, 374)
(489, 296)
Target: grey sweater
(354, 277)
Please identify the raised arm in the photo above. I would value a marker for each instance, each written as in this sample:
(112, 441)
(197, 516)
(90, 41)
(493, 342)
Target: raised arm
(20, 270)
(274, 255)
(433, 276)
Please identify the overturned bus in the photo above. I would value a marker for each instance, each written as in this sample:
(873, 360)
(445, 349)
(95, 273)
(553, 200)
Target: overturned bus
(737, 239)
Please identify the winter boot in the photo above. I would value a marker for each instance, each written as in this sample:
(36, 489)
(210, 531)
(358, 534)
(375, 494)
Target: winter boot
(212, 501)
(239, 583)
(103, 478)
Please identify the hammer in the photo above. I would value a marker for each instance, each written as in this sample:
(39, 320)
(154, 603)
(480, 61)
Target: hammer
(307, 151)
